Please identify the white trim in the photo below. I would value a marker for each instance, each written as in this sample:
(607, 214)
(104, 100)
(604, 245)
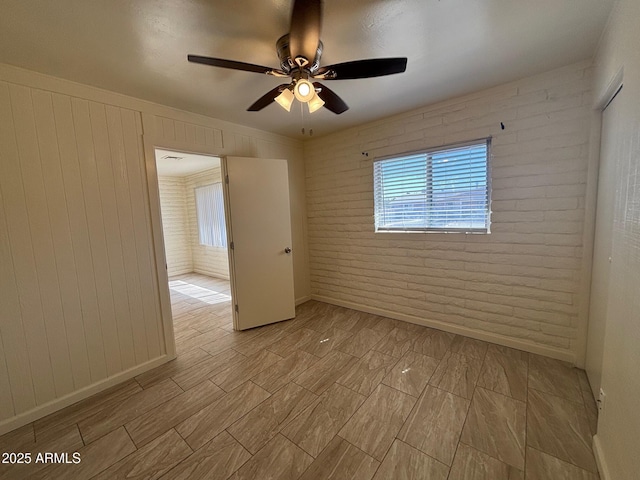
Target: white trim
(603, 469)
(227, 218)
(209, 274)
(588, 238)
(73, 397)
(601, 100)
(564, 355)
(604, 97)
(301, 300)
(151, 141)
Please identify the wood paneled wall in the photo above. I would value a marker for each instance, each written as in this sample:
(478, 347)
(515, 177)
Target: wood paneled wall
(79, 297)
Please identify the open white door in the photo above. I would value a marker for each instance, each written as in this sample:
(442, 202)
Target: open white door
(259, 232)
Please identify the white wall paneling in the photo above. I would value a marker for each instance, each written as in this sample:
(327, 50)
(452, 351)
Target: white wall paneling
(83, 310)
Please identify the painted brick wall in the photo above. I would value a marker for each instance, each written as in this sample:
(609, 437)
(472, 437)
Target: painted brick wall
(175, 226)
(207, 260)
(519, 285)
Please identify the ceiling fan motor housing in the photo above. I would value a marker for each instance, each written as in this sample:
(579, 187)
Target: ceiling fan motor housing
(287, 64)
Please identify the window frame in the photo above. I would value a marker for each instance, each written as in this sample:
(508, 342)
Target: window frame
(429, 188)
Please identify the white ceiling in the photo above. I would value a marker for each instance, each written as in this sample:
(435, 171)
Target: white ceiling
(177, 164)
(139, 48)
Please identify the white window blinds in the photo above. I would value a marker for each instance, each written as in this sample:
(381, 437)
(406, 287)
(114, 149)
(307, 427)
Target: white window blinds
(210, 210)
(445, 190)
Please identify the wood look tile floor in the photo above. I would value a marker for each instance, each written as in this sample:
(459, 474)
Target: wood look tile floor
(332, 394)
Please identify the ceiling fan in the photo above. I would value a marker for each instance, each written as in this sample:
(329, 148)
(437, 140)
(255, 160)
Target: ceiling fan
(299, 52)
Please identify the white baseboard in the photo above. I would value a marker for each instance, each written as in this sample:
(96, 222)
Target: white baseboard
(467, 332)
(301, 300)
(210, 274)
(603, 469)
(73, 397)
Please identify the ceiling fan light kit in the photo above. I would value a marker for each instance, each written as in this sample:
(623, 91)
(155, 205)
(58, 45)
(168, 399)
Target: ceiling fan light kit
(285, 99)
(299, 52)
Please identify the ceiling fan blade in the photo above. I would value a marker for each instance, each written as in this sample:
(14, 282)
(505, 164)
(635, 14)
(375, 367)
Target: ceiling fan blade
(304, 33)
(331, 100)
(374, 67)
(232, 64)
(267, 98)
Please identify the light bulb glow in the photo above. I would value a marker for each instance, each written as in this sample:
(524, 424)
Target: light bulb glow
(304, 90)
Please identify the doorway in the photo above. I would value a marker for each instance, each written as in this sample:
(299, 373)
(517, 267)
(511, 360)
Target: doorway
(195, 239)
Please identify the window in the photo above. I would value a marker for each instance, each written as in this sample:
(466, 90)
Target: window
(439, 190)
(210, 210)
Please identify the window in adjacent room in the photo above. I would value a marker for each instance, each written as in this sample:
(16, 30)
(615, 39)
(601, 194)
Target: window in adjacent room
(438, 190)
(210, 210)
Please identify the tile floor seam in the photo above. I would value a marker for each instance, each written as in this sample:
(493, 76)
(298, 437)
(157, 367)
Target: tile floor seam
(134, 443)
(231, 435)
(350, 416)
(547, 394)
(564, 461)
(498, 393)
(464, 424)
(79, 433)
(424, 453)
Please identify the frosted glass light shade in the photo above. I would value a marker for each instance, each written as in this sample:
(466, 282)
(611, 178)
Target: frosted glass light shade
(285, 99)
(315, 103)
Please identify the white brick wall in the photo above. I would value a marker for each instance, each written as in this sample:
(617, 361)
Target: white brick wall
(174, 225)
(519, 285)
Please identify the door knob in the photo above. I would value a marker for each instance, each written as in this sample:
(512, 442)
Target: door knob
(287, 250)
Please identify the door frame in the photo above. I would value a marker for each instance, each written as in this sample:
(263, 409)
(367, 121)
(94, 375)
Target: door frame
(602, 101)
(227, 220)
(150, 143)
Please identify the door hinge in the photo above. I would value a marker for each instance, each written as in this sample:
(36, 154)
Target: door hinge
(231, 246)
(226, 179)
(237, 310)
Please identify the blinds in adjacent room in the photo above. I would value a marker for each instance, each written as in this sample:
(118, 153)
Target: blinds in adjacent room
(210, 210)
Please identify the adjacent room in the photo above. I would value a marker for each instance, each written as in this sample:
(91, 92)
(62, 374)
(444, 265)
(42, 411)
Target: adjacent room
(428, 271)
(195, 241)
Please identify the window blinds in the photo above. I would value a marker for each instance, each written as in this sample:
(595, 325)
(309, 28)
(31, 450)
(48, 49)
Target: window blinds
(210, 210)
(438, 190)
